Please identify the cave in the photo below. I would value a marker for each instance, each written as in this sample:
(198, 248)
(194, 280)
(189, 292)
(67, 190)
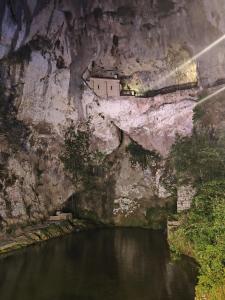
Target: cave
(71, 205)
(112, 145)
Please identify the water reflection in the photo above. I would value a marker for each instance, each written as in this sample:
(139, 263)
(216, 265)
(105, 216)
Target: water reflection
(107, 264)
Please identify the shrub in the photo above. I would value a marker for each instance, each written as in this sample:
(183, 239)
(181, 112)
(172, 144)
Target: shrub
(14, 130)
(83, 163)
(204, 229)
(201, 157)
(198, 113)
(141, 156)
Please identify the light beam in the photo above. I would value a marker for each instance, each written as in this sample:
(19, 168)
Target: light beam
(198, 55)
(211, 96)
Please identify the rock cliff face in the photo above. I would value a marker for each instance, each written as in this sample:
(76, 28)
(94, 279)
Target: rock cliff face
(47, 46)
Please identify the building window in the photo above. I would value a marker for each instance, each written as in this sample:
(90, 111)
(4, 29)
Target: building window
(111, 88)
(98, 86)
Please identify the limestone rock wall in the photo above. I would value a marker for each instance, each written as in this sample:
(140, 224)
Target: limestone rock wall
(152, 122)
(45, 48)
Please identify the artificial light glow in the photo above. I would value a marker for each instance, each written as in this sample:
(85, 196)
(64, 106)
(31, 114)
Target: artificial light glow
(198, 55)
(211, 96)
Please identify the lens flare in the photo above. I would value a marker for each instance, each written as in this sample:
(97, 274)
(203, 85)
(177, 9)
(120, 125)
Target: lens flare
(211, 96)
(194, 58)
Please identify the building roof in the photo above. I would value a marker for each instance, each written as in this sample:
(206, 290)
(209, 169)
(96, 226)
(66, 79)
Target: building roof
(105, 78)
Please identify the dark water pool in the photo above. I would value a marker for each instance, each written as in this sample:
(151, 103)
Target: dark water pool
(108, 264)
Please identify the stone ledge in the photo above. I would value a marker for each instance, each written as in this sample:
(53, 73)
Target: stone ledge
(40, 233)
(61, 217)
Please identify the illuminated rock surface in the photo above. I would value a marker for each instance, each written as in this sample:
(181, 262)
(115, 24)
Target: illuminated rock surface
(46, 47)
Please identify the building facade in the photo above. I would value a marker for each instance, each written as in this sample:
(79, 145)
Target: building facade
(105, 87)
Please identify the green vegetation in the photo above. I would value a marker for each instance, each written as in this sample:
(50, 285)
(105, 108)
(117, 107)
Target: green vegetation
(141, 156)
(202, 95)
(198, 113)
(156, 217)
(200, 159)
(83, 163)
(202, 235)
(12, 129)
(169, 180)
(90, 172)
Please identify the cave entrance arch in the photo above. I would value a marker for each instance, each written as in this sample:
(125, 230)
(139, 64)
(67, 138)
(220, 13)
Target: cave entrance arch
(71, 205)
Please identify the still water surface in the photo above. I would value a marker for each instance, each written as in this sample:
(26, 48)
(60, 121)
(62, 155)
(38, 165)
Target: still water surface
(107, 264)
